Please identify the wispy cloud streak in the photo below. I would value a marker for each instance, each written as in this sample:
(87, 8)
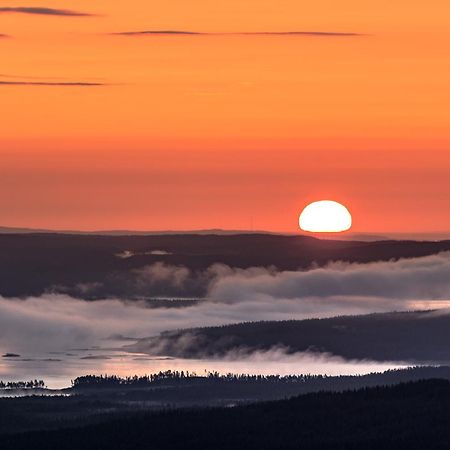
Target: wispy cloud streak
(298, 33)
(250, 33)
(49, 83)
(159, 33)
(42, 11)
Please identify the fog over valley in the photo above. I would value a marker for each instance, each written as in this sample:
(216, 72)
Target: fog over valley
(73, 334)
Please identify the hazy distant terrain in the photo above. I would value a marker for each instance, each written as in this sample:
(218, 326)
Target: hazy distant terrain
(90, 267)
(348, 236)
(410, 336)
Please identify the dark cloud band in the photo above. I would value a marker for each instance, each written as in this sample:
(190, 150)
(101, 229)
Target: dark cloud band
(44, 11)
(49, 83)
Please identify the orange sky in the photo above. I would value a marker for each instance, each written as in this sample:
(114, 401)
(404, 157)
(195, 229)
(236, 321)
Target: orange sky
(225, 130)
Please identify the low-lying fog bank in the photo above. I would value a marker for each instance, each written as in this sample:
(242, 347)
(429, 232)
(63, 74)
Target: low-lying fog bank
(57, 330)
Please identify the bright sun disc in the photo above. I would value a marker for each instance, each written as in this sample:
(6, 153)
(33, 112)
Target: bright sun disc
(325, 216)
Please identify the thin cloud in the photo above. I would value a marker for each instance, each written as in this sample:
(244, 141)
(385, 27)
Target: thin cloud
(23, 77)
(44, 11)
(250, 33)
(159, 32)
(298, 33)
(50, 83)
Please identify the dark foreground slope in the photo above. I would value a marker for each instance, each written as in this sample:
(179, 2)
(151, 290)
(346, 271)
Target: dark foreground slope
(31, 264)
(408, 416)
(99, 399)
(96, 399)
(417, 337)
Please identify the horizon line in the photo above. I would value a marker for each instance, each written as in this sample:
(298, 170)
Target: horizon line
(381, 235)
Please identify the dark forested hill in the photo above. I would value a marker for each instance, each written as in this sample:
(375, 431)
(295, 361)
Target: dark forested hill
(411, 416)
(399, 336)
(95, 399)
(31, 264)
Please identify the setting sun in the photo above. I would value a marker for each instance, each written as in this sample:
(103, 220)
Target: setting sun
(325, 216)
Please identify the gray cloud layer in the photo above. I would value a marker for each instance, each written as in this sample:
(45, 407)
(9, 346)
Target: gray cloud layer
(43, 11)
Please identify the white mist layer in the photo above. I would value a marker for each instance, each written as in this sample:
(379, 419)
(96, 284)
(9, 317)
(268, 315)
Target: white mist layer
(57, 322)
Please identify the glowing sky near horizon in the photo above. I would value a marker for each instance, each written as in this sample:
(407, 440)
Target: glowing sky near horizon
(102, 130)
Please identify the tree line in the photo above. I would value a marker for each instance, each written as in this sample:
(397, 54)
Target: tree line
(180, 376)
(186, 377)
(32, 384)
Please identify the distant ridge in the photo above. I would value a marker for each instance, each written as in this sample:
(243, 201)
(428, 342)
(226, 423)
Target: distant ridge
(217, 231)
(420, 337)
(362, 237)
